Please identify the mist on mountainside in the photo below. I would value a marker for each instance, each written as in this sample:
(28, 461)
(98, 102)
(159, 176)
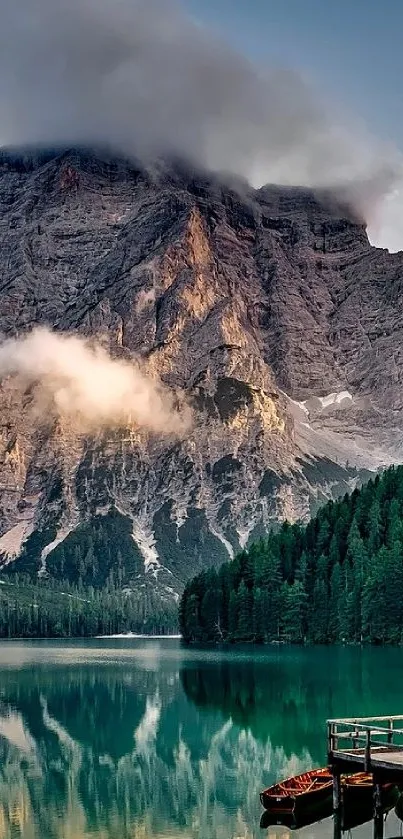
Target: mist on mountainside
(144, 78)
(79, 380)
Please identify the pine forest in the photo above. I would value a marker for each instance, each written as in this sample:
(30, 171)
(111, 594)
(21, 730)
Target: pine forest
(337, 579)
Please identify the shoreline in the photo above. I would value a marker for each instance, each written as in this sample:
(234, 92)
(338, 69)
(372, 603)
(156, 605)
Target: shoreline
(138, 636)
(124, 635)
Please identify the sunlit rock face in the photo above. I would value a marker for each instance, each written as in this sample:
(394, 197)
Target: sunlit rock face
(267, 311)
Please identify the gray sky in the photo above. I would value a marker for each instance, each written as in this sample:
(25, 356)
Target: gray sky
(352, 49)
(144, 77)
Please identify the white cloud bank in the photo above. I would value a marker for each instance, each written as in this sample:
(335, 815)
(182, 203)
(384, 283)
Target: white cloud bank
(78, 380)
(142, 77)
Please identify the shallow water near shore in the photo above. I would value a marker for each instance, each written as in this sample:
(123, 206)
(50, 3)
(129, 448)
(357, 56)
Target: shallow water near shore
(141, 738)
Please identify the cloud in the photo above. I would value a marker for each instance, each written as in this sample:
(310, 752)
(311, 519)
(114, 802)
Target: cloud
(80, 381)
(386, 224)
(141, 77)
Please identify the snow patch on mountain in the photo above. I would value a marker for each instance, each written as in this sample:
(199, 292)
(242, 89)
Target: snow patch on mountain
(60, 537)
(169, 591)
(303, 410)
(11, 542)
(227, 545)
(341, 398)
(145, 541)
(243, 535)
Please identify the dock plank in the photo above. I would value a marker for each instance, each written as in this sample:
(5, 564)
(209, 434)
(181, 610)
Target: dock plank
(384, 758)
(383, 749)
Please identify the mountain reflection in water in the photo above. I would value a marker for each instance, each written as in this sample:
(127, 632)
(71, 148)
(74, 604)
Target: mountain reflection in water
(143, 739)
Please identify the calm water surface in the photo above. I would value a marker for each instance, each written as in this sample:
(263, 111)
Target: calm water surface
(117, 739)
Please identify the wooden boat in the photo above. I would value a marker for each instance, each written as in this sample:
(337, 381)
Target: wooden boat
(310, 794)
(359, 788)
(352, 814)
(302, 792)
(358, 796)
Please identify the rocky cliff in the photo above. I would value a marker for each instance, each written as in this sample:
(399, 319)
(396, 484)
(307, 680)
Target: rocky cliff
(268, 310)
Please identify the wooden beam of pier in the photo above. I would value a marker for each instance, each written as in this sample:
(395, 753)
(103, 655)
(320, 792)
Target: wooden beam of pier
(363, 744)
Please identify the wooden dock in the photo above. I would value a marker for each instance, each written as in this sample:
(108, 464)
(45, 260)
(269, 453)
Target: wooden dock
(366, 744)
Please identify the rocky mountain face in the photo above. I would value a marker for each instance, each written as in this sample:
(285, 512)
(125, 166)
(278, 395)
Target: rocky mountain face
(268, 310)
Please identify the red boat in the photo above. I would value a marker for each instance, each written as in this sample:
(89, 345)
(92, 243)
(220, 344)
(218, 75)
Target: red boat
(308, 790)
(358, 791)
(357, 807)
(308, 797)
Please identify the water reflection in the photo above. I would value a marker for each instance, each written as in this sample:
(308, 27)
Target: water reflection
(350, 816)
(165, 745)
(288, 695)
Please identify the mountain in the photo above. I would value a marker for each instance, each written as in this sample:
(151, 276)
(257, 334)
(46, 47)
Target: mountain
(267, 309)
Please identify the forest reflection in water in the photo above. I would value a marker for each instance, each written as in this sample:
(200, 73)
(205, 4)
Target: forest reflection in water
(144, 739)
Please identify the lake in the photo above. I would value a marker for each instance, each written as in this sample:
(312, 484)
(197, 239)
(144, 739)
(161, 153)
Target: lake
(112, 739)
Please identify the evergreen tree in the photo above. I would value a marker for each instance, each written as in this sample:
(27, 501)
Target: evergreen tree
(210, 615)
(233, 614)
(393, 584)
(271, 582)
(294, 608)
(244, 625)
(374, 527)
(337, 605)
(259, 615)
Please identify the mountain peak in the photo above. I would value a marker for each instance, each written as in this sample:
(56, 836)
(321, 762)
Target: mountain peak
(251, 305)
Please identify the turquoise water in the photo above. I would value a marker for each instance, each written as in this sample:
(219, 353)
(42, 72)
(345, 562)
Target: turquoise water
(114, 739)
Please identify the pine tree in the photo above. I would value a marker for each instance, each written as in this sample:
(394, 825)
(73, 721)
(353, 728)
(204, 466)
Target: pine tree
(336, 628)
(320, 605)
(323, 537)
(394, 529)
(287, 547)
(245, 626)
(357, 561)
(259, 616)
(294, 607)
(374, 538)
(393, 593)
(334, 553)
(233, 614)
(271, 583)
(224, 582)
(210, 615)
(374, 599)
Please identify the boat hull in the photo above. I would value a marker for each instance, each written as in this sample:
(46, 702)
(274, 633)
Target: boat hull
(300, 795)
(310, 796)
(355, 810)
(358, 801)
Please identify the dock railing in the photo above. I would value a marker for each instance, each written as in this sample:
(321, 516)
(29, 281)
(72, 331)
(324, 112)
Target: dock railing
(364, 736)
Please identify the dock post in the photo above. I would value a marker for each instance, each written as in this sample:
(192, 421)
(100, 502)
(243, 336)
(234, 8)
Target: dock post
(367, 763)
(336, 790)
(378, 813)
(379, 827)
(337, 826)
